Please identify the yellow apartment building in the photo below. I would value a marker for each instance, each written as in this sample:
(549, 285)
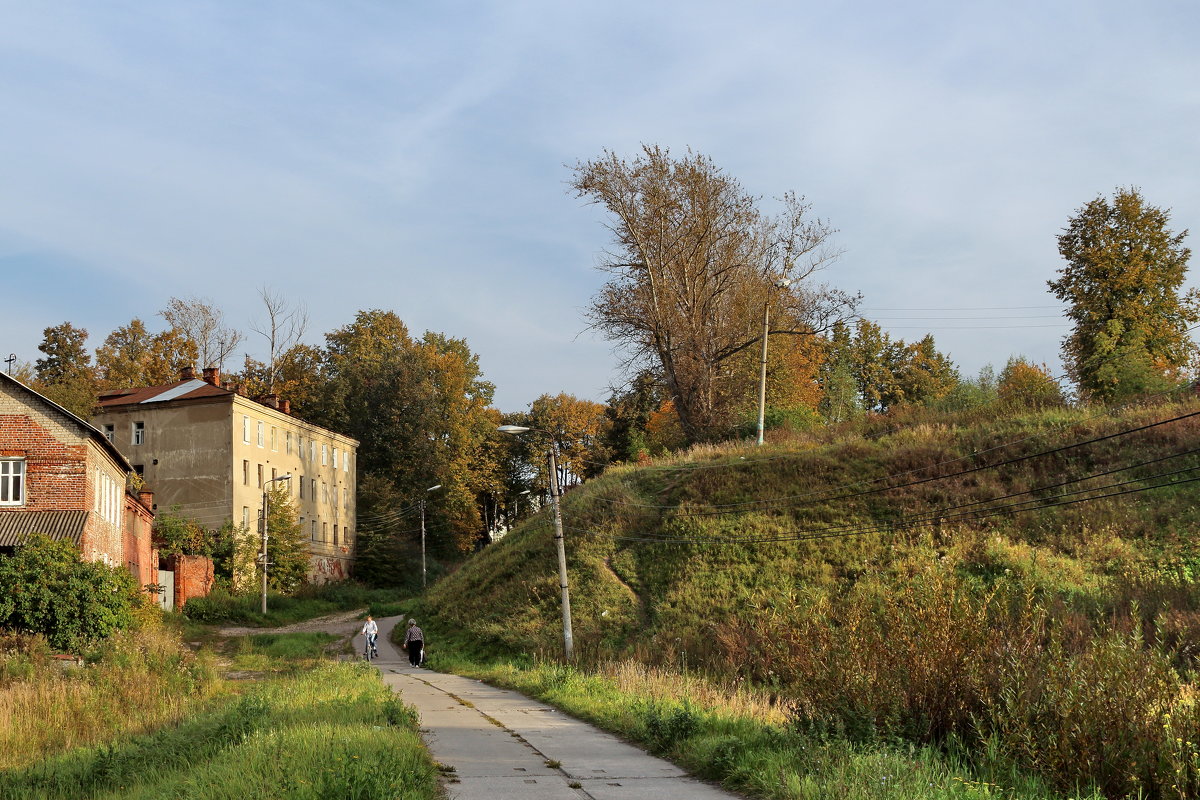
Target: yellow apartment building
(206, 448)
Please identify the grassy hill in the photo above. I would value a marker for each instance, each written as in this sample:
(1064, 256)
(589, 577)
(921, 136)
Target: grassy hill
(1064, 637)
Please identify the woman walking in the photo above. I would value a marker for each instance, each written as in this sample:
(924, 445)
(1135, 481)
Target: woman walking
(414, 641)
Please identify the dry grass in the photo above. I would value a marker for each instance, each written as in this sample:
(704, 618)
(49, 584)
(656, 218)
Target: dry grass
(736, 698)
(140, 681)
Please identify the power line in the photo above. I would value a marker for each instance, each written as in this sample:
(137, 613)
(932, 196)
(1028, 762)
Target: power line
(762, 505)
(924, 519)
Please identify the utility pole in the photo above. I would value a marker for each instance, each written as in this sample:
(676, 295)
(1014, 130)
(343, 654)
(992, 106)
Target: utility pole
(427, 491)
(12, 359)
(559, 542)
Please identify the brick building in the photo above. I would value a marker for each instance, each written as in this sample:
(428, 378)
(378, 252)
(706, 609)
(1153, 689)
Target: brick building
(61, 477)
(210, 451)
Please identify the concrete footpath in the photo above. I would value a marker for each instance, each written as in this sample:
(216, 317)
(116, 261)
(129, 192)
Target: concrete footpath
(504, 745)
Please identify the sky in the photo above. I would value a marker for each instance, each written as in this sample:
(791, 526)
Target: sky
(415, 157)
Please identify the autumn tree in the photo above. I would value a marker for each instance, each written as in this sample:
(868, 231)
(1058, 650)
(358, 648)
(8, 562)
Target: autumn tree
(694, 264)
(65, 373)
(204, 324)
(1025, 384)
(298, 375)
(132, 356)
(629, 410)
(282, 326)
(1122, 280)
(579, 430)
(887, 372)
(418, 411)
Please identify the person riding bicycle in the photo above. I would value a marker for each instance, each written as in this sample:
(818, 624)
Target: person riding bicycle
(370, 630)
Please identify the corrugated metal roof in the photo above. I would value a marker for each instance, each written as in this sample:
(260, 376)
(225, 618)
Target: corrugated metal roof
(16, 525)
(190, 389)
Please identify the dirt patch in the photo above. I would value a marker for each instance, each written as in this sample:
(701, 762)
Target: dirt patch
(340, 624)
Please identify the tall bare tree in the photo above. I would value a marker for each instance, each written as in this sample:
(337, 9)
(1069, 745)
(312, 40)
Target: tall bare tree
(203, 323)
(695, 264)
(283, 327)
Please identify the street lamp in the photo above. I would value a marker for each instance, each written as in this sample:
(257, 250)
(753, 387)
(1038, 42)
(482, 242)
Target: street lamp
(568, 642)
(430, 489)
(762, 384)
(266, 506)
(517, 504)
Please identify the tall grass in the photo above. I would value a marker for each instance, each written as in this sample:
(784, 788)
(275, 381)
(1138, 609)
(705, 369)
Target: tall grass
(134, 681)
(1061, 642)
(740, 736)
(333, 731)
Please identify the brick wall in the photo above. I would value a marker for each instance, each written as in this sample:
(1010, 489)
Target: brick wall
(55, 471)
(193, 578)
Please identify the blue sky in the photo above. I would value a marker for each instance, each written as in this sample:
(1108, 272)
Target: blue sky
(414, 156)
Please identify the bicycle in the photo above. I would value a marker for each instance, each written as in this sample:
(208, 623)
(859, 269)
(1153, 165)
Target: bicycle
(370, 647)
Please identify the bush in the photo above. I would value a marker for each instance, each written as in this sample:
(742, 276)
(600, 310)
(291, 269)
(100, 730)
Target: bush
(46, 588)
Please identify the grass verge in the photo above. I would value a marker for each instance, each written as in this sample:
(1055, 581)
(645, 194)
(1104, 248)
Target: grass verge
(332, 731)
(743, 739)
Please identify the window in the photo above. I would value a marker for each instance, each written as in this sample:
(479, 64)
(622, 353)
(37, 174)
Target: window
(335, 538)
(262, 434)
(324, 531)
(335, 458)
(287, 438)
(140, 469)
(109, 432)
(12, 481)
(324, 454)
(312, 450)
(246, 517)
(314, 530)
(345, 497)
(260, 476)
(346, 462)
(274, 473)
(245, 473)
(312, 484)
(274, 438)
(139, 433)
(246, 430)
(302, 488)
(324, 492)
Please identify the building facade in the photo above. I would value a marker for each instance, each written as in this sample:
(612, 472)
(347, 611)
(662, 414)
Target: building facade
(59, 476)
(211, 452)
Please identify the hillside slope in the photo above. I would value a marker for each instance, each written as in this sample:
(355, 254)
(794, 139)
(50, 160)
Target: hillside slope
(630, 590)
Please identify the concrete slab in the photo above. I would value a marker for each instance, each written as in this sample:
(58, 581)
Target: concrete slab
(501, 743)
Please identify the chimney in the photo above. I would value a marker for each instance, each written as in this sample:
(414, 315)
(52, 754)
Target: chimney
(146, 497)
(187, 373)
(271, 400)
(212, 375)
(285, 406)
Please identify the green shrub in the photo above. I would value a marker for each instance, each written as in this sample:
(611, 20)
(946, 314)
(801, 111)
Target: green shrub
(46, 588)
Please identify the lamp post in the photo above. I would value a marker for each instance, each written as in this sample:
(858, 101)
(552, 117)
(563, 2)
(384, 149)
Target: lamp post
(568, 639)
(266, 507)
(517, 504)
(427, 491)
(762, 383)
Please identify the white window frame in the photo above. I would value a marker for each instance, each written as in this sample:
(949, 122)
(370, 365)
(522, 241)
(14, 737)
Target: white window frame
(12, 473)
(245, 429)
(324, 454)
(110, 432)
(137, 433)
(262, 433)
